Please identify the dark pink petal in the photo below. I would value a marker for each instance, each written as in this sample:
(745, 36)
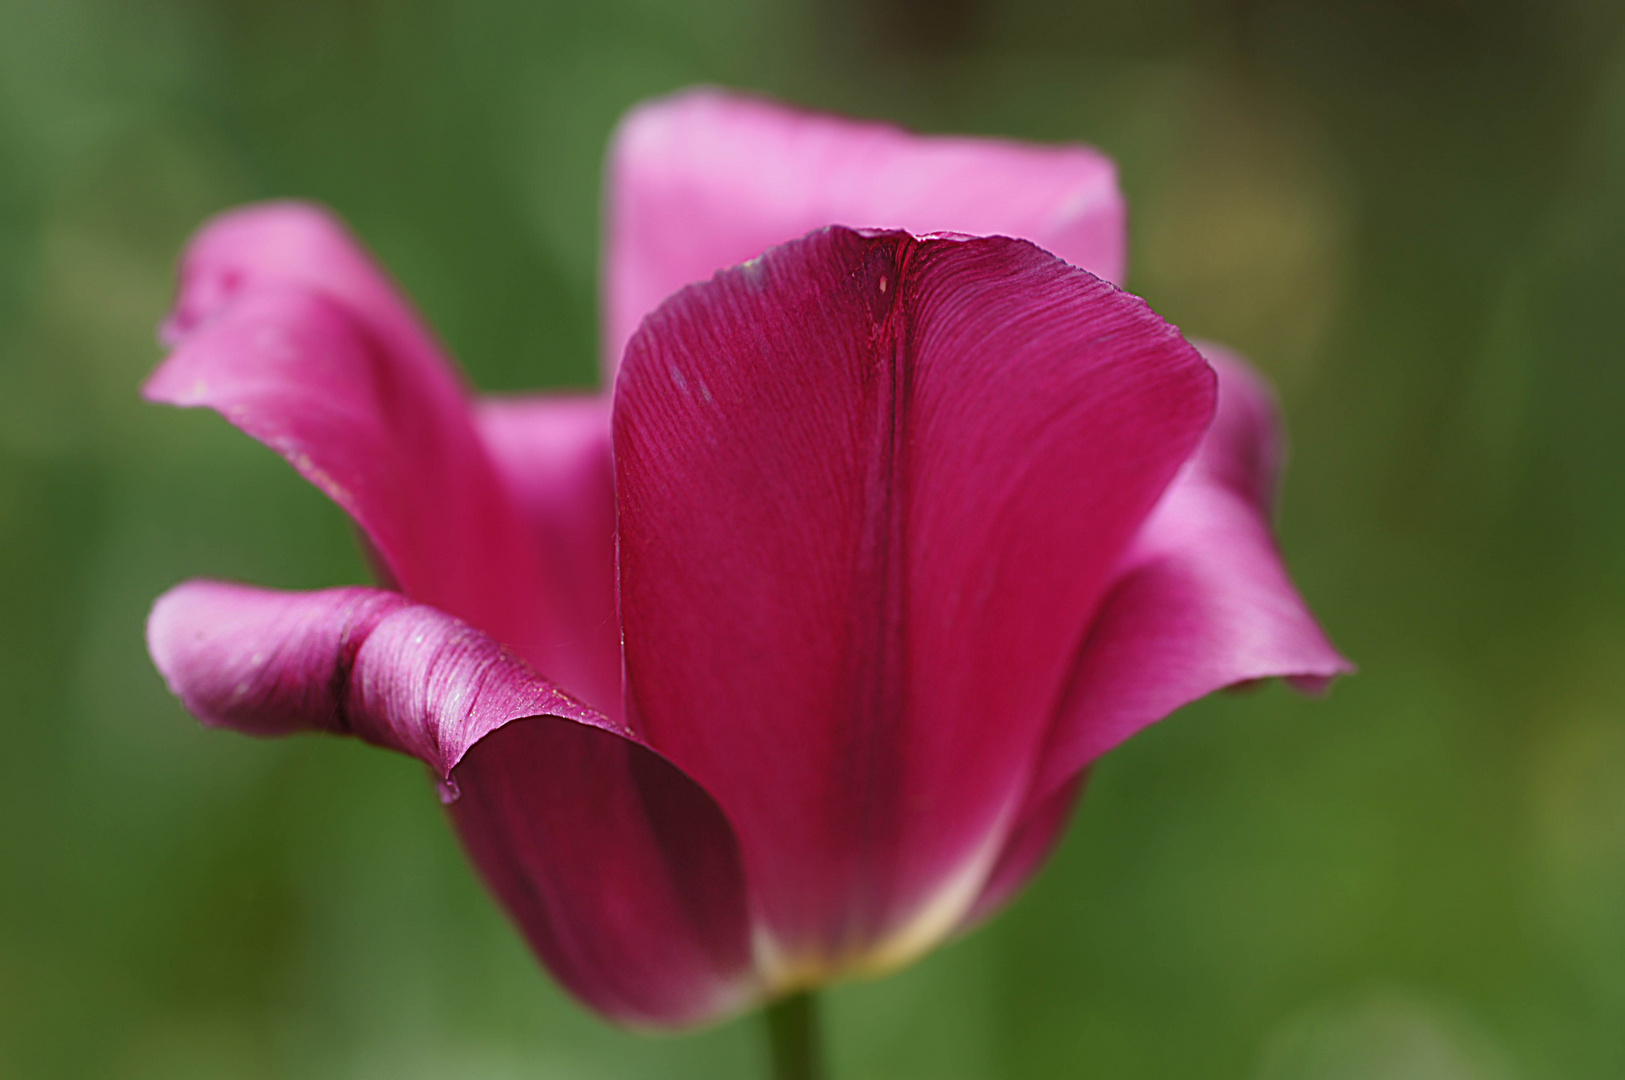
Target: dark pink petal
(704, 180)
(620, 870)
(553, 452)
(364, 409)
(872, 490)
(1202, 599)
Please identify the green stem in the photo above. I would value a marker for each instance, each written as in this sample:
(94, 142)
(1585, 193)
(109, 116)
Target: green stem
(792, 1035)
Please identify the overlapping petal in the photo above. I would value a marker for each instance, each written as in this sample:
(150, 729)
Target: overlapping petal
(911, 530)
(285, 327)
(620, 870)
(1202, 599)
(704, 179)
(850, 606)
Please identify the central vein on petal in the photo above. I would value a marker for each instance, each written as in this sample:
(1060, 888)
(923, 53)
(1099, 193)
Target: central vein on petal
(879, 631)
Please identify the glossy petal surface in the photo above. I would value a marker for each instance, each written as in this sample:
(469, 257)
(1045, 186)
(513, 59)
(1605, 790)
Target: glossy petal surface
(620, 870)
(704, 180)
(1202, 599)
(871, 491)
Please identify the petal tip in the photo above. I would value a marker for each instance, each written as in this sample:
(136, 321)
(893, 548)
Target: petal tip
(235, 247)
(1318, 683)
(175, 635)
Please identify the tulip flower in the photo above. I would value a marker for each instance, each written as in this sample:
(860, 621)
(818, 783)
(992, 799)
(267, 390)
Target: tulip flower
(783, 660)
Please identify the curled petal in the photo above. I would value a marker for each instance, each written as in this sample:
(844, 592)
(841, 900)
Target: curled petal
(298, 371)
(285, 327)
(619, 869)
(704, 180)
(1202, 600)
(871, 491)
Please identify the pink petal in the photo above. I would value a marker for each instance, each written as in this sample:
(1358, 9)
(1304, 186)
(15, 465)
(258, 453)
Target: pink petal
(293, 243)
(554, 454)
(1202, 599)
(871, 491)
(620, 870)
(285, 327)
(705, 179)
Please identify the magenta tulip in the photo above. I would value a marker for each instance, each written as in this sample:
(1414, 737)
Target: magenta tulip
(785, 660)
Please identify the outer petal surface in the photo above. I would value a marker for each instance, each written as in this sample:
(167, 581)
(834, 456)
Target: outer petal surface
(705, 180)
(1202, 599)
(871, 491)
(620, 870)
(285, 327)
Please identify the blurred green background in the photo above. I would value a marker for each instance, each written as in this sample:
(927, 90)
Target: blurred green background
(1411, 213)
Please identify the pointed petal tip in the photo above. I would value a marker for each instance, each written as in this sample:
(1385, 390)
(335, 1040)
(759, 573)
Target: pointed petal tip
(164, 387)
(1317, 682)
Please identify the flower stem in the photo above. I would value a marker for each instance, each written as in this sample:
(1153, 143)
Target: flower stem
(792, 1035)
